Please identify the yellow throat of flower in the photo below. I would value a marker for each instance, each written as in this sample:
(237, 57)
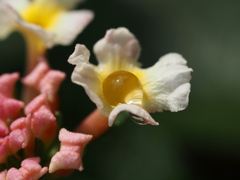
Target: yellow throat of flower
(42, 13)
(122, 87)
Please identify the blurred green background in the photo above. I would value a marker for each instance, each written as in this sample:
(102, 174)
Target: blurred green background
(201, 142)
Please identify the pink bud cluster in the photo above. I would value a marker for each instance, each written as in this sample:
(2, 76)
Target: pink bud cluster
(21, 124)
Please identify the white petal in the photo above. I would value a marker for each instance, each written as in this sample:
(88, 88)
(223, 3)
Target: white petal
(80, 55)
(136, 110)
(85, 75)
(18, 5)
(166, 84)
(119, 46)
(70, 25)
(47, 37)
(7, 19)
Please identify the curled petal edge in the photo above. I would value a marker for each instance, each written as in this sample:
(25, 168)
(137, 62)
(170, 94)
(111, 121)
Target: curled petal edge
(133, 109)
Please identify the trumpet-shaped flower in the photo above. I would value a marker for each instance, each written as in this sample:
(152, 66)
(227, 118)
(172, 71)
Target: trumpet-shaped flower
(118, 83)
(43, 24)
(51, 21)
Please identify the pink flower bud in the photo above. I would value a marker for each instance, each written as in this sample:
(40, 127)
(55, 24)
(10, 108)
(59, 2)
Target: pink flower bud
(7, 82)
(50, 83)
(30, 170)
(70, 154)
(3, 129)
(17, 140)
(43, 124)
(35, 104)
(37, 74)
(23, 127)
(3, 175)
(4, 149)
(9, 108)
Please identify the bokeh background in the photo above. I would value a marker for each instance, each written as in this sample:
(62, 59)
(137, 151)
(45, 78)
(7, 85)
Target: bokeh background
(201, 142)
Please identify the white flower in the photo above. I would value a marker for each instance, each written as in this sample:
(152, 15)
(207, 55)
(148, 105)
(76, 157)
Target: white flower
(118, 83)
(50, 20)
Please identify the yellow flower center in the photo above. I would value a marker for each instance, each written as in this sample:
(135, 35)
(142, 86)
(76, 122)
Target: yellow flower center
(122, 87)
(42, 13)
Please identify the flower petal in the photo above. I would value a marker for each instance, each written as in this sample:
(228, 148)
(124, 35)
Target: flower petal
(46, 36)
(9, 18)
(50, 83)
(7, 82)
(166, 84)
(34, 77)
(70, 25)
(7, 22)
(18, 5)
(85, 75)
(133, 109)
(3, 174)
(119, 47)
(35, 104)
(4, 149)
(31, 169)
(71, 151)
(3, 129)
(43, 124)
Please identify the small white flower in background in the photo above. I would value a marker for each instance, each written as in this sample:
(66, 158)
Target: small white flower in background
(50, 20)
(118, 83)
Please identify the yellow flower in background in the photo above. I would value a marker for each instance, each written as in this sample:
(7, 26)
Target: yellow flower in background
(118, 83)
(50, 20)
(43, 23)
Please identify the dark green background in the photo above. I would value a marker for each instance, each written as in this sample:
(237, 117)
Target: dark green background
(201, 142)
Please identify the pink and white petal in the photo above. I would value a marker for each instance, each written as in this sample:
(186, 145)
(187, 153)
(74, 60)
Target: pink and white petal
(133, 109)
(166, 84)
(70, 25)
(118, 47)
(85, 75)
(8, 17)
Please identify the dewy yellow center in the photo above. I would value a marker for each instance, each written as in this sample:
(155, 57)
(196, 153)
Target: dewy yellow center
(42, 13)
(122, 87)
